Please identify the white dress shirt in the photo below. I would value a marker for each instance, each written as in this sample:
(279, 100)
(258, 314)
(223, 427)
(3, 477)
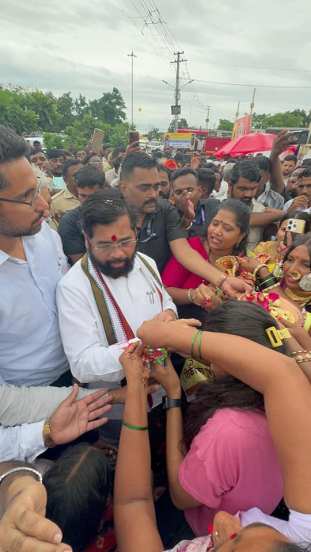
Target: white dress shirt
(31, 351)
(24, 442)
(82, 331)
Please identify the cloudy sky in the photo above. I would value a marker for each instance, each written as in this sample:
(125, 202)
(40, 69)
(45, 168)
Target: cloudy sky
(83, 47)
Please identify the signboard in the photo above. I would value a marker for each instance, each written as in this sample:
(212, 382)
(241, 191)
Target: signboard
(242, 126)
(178, 140)
(175, 109)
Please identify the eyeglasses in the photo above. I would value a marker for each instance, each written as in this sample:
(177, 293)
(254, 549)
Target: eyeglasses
(23, 202)
(109, 247)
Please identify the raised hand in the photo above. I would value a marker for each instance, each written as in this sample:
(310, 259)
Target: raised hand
(74, 417)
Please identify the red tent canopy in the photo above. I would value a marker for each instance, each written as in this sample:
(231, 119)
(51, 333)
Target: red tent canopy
(249, 143)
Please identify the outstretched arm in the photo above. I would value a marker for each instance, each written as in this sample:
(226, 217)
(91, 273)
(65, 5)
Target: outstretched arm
(286, 390)
(134, 514)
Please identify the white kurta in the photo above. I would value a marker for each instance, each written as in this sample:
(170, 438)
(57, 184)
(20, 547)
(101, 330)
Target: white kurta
(82, 331)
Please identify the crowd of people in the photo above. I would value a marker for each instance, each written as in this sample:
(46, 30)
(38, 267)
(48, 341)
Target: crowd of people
(155, 350)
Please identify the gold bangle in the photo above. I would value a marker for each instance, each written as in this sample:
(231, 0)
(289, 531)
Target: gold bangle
(47, 439)
(189, 295)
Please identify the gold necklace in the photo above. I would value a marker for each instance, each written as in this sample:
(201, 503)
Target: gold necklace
(302, 299)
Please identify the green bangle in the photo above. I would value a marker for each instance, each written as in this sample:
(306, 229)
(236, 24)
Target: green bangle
(200, 343)
(193, 341)
(198, 335)
(135, 427)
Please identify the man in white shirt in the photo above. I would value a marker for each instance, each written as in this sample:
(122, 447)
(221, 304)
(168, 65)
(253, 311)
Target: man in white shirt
(31, 263)
(105, 297)
(71, 419)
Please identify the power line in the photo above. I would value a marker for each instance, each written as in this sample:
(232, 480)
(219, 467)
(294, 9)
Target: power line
(249, 85)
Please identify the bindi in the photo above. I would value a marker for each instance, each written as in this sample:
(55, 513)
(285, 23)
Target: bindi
(113, 238)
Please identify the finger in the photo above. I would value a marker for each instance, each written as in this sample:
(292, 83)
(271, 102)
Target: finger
(95, 396)
(102, 401)
(193, 322)
(99, 412)
(35, 525)
(18, 542)
(72, 397)
(96, 423)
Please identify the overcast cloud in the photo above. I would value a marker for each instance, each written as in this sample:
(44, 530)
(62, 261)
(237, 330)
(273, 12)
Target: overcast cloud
(72, 45)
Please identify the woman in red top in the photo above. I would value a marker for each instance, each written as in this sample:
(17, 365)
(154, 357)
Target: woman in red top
(226, 236)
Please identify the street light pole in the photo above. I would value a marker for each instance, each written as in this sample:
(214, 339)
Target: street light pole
(132, 56)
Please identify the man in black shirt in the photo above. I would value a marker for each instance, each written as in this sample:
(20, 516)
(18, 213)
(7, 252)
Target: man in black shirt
(160, 233)
(88, 180)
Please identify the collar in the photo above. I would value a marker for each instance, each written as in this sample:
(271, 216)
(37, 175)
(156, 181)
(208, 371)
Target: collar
(3, 257)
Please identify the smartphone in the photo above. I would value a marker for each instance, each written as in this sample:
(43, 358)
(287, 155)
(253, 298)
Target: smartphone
(96, 141)
(133, 136)
(297, 137)
(296, 225)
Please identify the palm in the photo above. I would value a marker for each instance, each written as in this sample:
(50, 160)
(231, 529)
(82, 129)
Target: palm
(74, 417)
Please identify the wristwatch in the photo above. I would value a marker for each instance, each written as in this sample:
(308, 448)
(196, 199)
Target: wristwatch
(47, 439)
(168, 403)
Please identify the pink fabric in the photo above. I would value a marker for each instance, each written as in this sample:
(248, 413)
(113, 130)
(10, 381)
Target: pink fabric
(176, 275)
(231, 466)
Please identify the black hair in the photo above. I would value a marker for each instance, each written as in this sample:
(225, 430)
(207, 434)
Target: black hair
(235, 318)
(79, 488)
(162, 168)
(247, 168)
(306, 172)
(70, 163)
(179, 157)
(158, 154)
(136, 160)
(90, 177)
(290, 157)
(306, 163)
(36, 142)
(55, 153)
(300, 216)
(89, 156)
(185, 171)
(117, 151)
(12, 147)
(263, 163)
(300, 240)
(104, 207)
(242, 215)
(207, 179)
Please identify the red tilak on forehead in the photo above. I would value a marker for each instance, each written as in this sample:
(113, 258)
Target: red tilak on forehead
(114, 238)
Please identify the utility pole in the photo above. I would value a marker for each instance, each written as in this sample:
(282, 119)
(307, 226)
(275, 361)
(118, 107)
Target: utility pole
(132, 56)
(253, 103)
(176, 109)
(207, 116)
(237, 111)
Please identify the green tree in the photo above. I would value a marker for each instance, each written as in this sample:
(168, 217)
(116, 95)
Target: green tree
(154, 134)
(53, 140)
(225, 124)
(14, 114)
(65, 109)
(287, 119)
(81, 105)
(182, 123)
(110, 107)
